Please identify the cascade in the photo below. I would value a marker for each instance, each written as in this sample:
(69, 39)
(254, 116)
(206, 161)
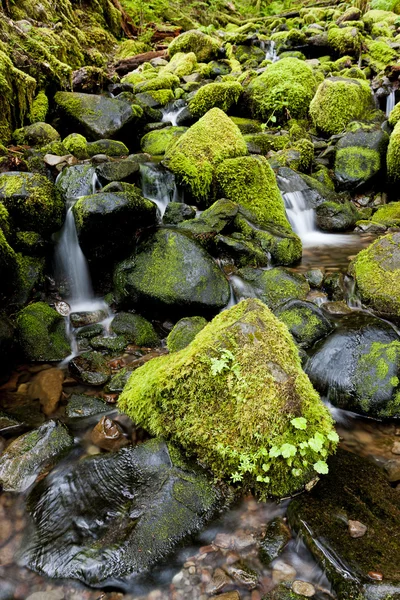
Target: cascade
(158, 185)
(172, 111)
(390, 102)
(270, 53)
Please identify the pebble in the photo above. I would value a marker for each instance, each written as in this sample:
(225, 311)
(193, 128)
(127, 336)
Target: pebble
(375, 575)
(303, 588)
(224, 540)
(396, 448)
(357, 529)
(47, 387)
(282, 571)
(244, 576)
(219, 580)
(53, 595)
(108, 435)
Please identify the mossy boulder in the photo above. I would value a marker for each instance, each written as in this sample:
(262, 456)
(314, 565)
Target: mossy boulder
(171, 273)
(306, 322)
(107, 147)
(184, 332)
(393, 156)
(272, 286)
(39, 108)
(105, 221)
(387, 215)
(31, 201)
(357, 490)
(345, 40)
(97, 117)
(135, 329)
(196, 154)
(212, 220)
(155, 98)
(76, 181)
(124, 169)
(224, 95)
(233, 394)
(360, 156)
(28, 455)
(37, 134)
(176, 212)
(157, 142)
(90, 368)
(287, 86)
(250, 182)
(203, 46)
(247, 126)
(363, 355)
(336, 216)
(76, 144)
(338, 101)
(377, 274)
(181, 64)
(41, 333)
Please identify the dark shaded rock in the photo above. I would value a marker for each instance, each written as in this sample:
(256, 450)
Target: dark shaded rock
(90, 80)
(86, 530)
(184, 332)
(275, 539)
(27, 456)
(76, 181)
(335, 216)
(354, 489)
(306, 322)
(176, 212)
(334, 286)
(89, 331)
(84, 318)
(7, 334)
(121, 170)
(171, 272)
(118, 381)
(81, 405)
(213, 220)
(244, 252)
(358, 366)
(9, 425)
(90, 368)
(135, 329)
(110, 345)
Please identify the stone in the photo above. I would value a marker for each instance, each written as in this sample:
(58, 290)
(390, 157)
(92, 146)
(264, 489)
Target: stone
(52, 595)
(37, 134)
(220, 579)
(184, 332)
(41, 333)
(90, 368)
(125, 169)
(305, 321)
(275, 539)
(396, 448)
(282, 571)
(176, 212)
(135, 329)
(357, 529)
(108, 344)
(85, 318)
(108, 435)
(46, 387)
(76, 181)
(80, 406)
(335, 216)
(27, 456)
(303, 588)
(85, 531)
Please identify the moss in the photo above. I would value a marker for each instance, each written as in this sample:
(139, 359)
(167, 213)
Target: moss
(76, 144)
(394, 116)
(377, 273)
(39, 108)
(275, 286)
(346, 40)
(41, 333)
(165, 81)
(357, 163)
(306, 322)
(56, 148)
(262, 143)
(247, 126)
(284, 90)
(8, 263)
(37, 134)
(5, 225)
(184, 332)
(156, 98)
(204, 46)
(220, 95)
(182, 64)
(135, 328)
(197, 152)
(130, 48)
(338, 101)
(157, 143)
(393, 155)
(29, 242)
(382, 53)
(299, 156)
(388, 215)
(107, 147)
(229, 397)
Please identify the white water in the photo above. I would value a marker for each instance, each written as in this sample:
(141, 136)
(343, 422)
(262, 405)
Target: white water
(271, 53)
(171, 113)
(158, 185)
(390, 102)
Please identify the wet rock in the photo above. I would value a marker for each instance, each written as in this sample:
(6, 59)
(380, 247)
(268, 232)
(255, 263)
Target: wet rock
(335, 216)
(282, 571)
(81, 405)
(358, 490)
(84, 318)
(243, 575)
(303, 588)
(97, 117)
(283, 592)
(363, 355)
(52, 595)
(176, 212)
(46, 387)
(84, 527)
(337, 308)
(27, 456)
(106, 221)
(170, 272)
(184, 332)
(275, 539)
(110, 345)
(107, 148)
(315, 277)
(234, 595)
(334, 286)
(135, 329)
(121, 170)
(108, 435)
(9, 425)
(37, 134)
(90, 368)
(76, 181)
(41, 333)
(305, 321)
(89, 331)
(118, 381)
(357, 529)
(220, 579)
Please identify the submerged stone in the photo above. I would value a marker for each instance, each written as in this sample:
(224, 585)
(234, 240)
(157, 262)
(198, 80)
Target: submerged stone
(90, 368)
(231, 398)
(27, 456)
(111, 516)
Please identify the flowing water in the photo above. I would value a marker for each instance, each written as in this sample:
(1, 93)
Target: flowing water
(171, 112)
(390, 102)
(159, 186)
(270, 51)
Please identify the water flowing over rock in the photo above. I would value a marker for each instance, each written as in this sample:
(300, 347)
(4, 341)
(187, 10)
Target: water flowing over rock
(96, 521)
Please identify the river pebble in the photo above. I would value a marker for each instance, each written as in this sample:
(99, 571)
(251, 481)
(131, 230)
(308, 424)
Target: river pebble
(303, 588)
(357, 529)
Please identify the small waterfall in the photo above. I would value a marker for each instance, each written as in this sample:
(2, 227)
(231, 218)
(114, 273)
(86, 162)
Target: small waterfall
(270, 53)
(300, 216)
(390, 102)
(172, 111)
(158, 185)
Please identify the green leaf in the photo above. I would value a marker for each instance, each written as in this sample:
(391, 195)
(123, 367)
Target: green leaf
(266, 467)
(296, 472)
(315, 443)
(236, 477)
(288, 450)
(274, 452)
(333, 436)
(299, 423)
(321, 467)
(273, 119)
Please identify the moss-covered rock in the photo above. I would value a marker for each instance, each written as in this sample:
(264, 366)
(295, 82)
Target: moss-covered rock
(263, 143)
(250, 182)
(357, 490)
(338, 101)
(184, 332)
(37, 134)
(220, 95)
(39, 108)
(247, 126)
(176, 212)
(107, 147)
(124, 169)
(155, 98)
(204, 46)
(181, 64)
(31, 201)
(170, 272)
(285, 88)
(336, 216)
(195, 155)
(76, 181)
(105, 221)
(213, 220)
(135, 328)
(90, 368)
(272, 286)
(345, 40)
(164, 81)
(233, 394)
(387, 215)
(76, 144)
(8, 265)
(97, 117)
(393, 155)
(157, 142)
(305, 321)
(377, 273)
(41, 333)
